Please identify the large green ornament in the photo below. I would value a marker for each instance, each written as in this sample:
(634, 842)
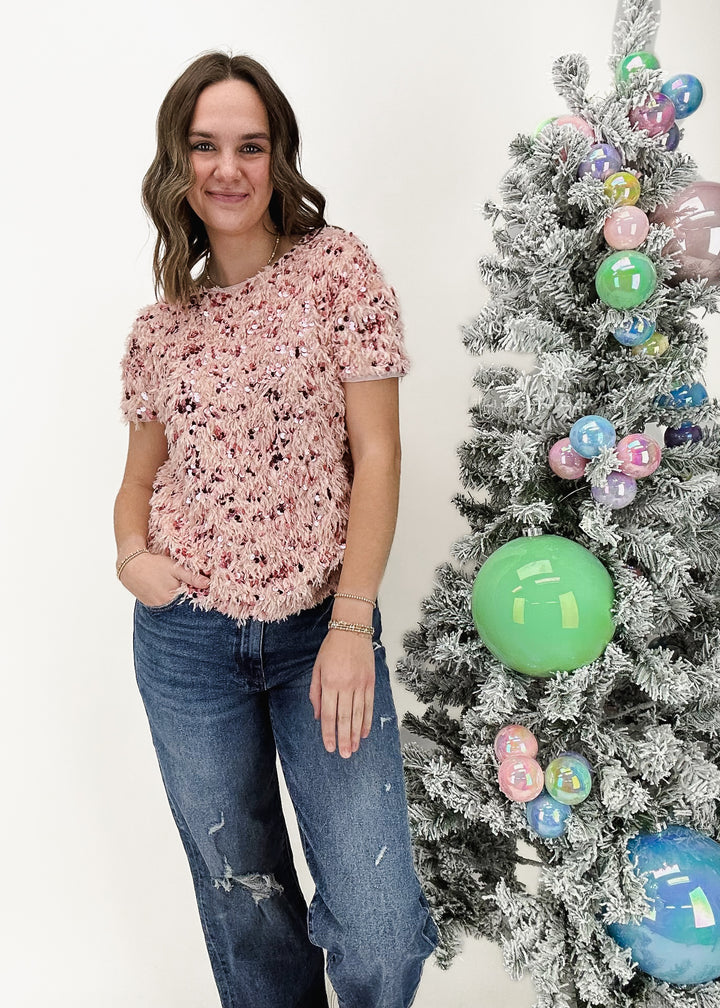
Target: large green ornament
(625, 279)
(541, 605)
(642, 60)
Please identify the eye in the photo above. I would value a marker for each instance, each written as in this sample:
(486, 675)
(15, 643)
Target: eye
(251, 148)
(202, 145)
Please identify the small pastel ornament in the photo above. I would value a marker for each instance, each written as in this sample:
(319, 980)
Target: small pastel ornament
(617, 492)
(655, 116)
(686, 433)
(520, 778)
(669, 141)
(639, 455)
(590, 434)
(546, 816)
(602, 161)
(544, 123)
(678, 939)
(684, 396)
(565, 461)
(568, 779)
(542, 604)
(655, 346)
(694, 216)
(625, 279)
(622, 188)
(685, 92)
(515, 740)
(642, 60)
(577, 756)
(626, 228)
(580, 124)
(634, 331)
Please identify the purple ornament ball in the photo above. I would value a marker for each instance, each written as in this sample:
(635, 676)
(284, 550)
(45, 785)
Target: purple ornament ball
(565, 461)
(669, 141)
(618, 492)
(686, 433)
(521, 778)
(603, 160)
(656, 116)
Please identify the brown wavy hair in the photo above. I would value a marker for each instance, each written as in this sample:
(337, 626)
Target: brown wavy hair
(296, 207)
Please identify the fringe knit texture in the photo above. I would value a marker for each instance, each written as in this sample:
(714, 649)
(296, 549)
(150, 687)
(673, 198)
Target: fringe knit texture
(248, 382)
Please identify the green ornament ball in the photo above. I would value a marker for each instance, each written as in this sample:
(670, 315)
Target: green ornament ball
(625, 279)
(541, 605)
(642, 60)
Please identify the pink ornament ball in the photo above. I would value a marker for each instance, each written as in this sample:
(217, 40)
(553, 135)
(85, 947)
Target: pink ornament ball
(639, 455)
(521, 778)
(515, 740)
(656, 116)
(565, 461)
(626, 228)
(694, 216)
(580, 124)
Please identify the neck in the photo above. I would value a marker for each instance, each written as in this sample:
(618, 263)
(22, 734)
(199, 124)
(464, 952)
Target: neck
(233, 260)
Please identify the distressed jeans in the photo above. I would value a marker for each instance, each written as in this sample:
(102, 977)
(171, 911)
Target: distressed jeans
(222, 698)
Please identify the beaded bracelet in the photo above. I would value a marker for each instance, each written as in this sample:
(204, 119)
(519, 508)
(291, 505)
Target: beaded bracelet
(360, 598)
(131, 556)
(335, 624)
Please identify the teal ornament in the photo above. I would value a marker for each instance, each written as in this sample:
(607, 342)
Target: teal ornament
(568, 779)
(625, 279)
(685, 92)
(678, 940)
(684, 396)
(642, 60)
(546, 816)
(541, 605)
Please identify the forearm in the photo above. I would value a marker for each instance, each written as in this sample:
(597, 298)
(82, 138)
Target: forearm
(130, 516)
(370, 531)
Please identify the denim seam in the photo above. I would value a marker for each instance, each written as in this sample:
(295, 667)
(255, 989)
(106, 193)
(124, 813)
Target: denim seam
(261, 645)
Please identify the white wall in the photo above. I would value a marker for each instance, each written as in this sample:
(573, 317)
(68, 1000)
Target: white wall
(406, 111)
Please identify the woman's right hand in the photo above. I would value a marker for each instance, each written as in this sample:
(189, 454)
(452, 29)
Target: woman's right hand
(156, 579)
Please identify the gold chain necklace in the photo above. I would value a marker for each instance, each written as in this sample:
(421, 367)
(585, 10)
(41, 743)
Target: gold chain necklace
(272, 256)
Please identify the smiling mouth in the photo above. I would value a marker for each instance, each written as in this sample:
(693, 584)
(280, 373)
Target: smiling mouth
(227, 195)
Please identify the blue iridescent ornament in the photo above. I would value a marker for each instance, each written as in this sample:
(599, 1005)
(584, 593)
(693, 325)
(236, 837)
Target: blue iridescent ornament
(678, 940)
(634, 331)
(685, 92)
(590, 434)
(683, 397)
(546, 816)
(686, 433)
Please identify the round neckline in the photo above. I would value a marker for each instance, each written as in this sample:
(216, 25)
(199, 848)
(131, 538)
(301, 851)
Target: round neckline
(302, 240)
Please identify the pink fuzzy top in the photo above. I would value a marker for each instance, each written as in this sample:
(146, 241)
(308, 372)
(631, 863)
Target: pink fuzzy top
(248, 381)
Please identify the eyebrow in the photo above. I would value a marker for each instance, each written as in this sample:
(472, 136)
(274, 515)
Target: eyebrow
(211, 136)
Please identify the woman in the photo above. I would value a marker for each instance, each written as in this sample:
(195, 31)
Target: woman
(253, 525)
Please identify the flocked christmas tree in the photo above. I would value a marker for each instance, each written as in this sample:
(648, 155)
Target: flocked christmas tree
(582, 605)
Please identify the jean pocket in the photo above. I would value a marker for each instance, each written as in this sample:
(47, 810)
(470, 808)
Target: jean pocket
(176, 600)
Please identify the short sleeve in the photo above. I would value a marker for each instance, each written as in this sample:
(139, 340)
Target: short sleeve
(367, 333)
(139, 377)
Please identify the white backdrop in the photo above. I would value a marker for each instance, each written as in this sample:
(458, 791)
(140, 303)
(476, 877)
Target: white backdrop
(406, 110)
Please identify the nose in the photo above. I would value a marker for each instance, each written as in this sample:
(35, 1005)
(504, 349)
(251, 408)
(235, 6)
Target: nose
(227, 165)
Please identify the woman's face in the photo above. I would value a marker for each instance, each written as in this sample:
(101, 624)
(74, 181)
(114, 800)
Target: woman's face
(229, 140)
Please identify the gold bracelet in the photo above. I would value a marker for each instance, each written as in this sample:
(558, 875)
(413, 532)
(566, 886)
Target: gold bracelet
(335, 624)
(131, 556)
(359, 598)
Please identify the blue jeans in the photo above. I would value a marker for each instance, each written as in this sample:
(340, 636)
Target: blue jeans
(222, 698)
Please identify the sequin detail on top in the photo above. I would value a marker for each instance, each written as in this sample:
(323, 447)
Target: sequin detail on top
(248, 381)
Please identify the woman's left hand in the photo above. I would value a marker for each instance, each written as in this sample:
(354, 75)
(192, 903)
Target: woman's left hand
(343, 689)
